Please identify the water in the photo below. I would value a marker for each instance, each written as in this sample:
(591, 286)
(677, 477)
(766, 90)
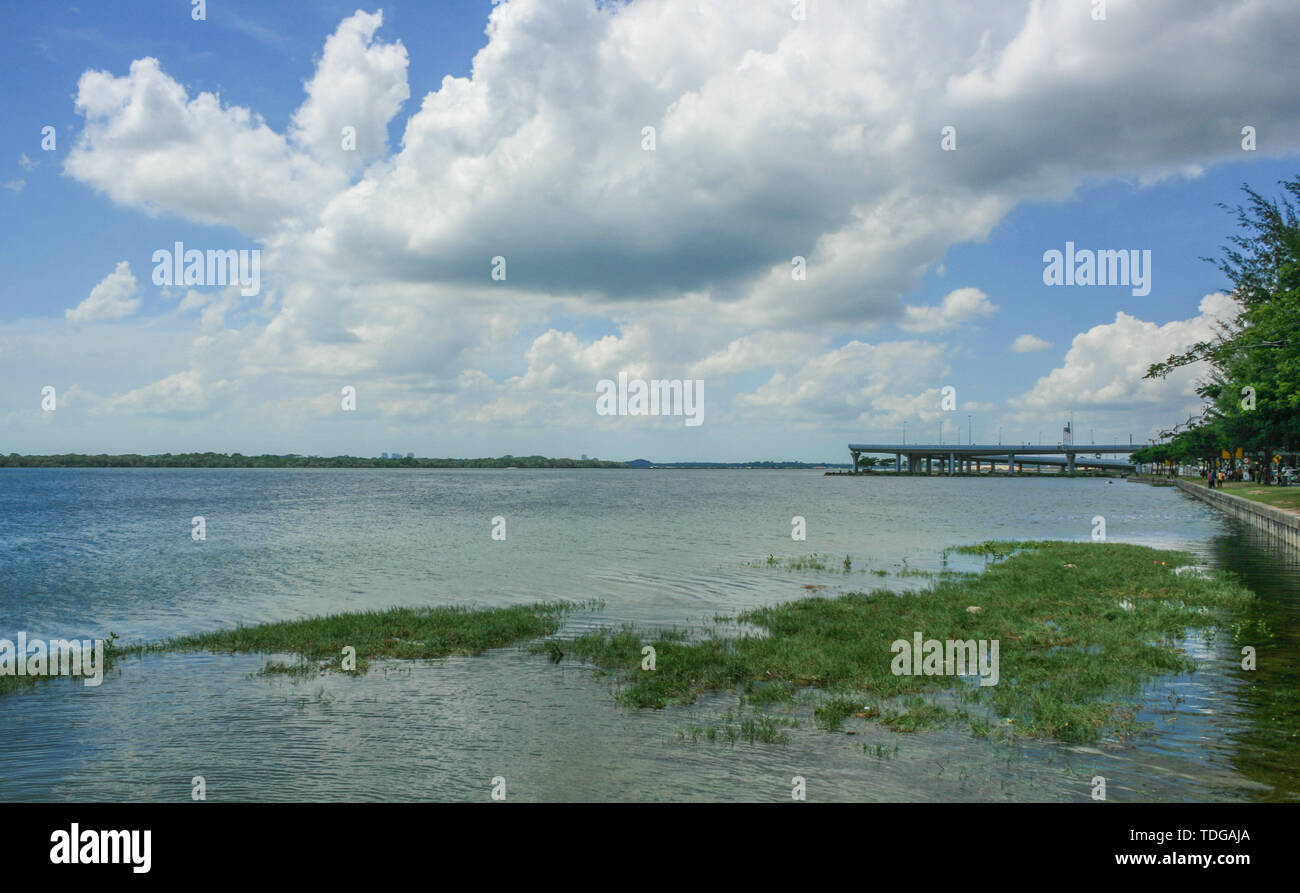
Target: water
(86, 552)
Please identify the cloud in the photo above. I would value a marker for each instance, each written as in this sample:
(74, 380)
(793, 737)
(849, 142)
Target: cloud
(26, 163)
(181, 394)
(359, 83)
(526, 160)
(113, 299)
(222, 164)
(1029, 344)
(961, 306)
(858, 382)
(1104, 367)
(773, 139)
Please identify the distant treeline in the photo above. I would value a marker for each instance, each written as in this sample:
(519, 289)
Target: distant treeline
(644, 463)
(238, 460)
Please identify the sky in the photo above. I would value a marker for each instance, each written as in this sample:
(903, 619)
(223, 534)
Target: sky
(461, 213)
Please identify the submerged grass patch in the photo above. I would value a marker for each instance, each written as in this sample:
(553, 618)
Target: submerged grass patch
(734, 727)
(996, 548)
(814, 562)
(402, 633)
(1081, 626)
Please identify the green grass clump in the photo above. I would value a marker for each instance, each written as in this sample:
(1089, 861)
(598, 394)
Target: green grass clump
(402, 633)
(1081, 626)
(831, 713)
(293, 670)
(771, 692)
(919, 718)
(814, 562)
(737, 726)
(996, 548)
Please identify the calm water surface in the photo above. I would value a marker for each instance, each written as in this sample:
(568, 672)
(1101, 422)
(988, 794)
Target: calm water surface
(86, 552)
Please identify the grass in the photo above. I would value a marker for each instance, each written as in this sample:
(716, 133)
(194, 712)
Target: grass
(756, 728)
(398, 633)
(996, 548)
(1287, 498)
(813, 562)
(831, 713)
(1081, 626)
(828, 564)
(401, 633)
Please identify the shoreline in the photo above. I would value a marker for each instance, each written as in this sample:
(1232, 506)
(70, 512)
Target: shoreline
(1278, 524)
(1281, 525)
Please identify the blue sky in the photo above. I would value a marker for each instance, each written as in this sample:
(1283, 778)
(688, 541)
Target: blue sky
(252, 54)
(776, 137)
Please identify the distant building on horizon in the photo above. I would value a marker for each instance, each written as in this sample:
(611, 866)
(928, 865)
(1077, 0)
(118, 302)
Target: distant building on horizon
(584, 457)
(383, 455)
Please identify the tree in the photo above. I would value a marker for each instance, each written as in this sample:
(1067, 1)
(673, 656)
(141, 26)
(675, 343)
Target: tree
(1252, 382)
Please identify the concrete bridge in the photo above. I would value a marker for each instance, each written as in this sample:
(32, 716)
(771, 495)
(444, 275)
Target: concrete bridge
(951, 458)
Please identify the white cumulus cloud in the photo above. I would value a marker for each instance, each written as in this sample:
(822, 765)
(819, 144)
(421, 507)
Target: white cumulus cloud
(1029, 344)
(111, 300)
(961, 306)
(1105, 366)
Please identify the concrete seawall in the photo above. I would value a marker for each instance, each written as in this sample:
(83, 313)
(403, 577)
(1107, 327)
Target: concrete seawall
(1278, 524)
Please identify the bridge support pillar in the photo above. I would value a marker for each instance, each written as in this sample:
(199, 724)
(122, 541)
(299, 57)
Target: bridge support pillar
(1011, 463)
(1069, 462)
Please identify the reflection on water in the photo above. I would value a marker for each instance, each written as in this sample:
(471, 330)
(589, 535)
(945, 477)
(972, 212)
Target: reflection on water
(1264, 744)
(89, 551)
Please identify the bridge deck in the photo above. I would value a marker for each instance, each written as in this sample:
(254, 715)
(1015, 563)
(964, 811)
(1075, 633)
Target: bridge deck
(991, 449)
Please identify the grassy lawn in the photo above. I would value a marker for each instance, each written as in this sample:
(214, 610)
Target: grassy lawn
(1081, 627)
(1279, 497)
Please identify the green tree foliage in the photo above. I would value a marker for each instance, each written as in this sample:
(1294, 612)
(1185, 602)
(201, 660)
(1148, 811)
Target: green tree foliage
(1252, 386)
